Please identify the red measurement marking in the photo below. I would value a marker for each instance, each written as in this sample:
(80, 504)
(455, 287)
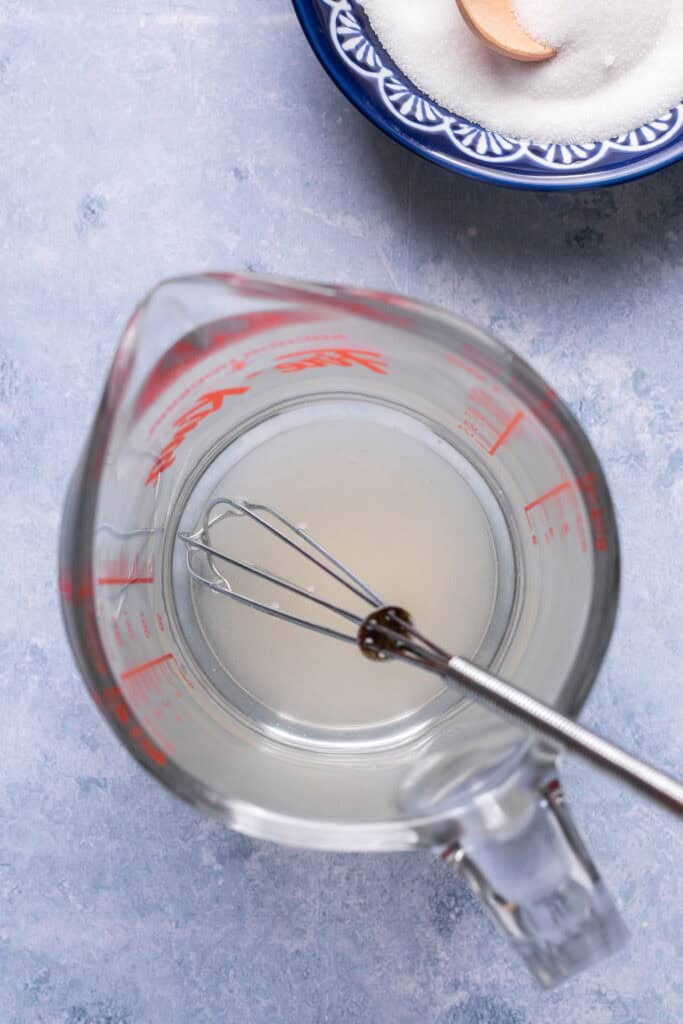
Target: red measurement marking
(183, 675)
(74, 588)
(463, 364)
(494, 407)
(488, 421)
(236, 365)
(92, 638)
(588, 488)
(200, 344)
(302, 339)
(503, 437)
(483, 362)
(113, 581)
(553, 503)
(114, 701)
(186, 392)
(295, 362)
(204, 406)
(578, 520)
(477, 414)
(145, 666)
(548, 495)
(124, 570)
(118, 636)
(471, 431)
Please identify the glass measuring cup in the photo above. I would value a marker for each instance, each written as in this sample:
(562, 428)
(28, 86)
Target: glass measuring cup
(224, 381)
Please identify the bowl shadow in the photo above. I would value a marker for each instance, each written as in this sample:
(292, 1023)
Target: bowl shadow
(616, 226)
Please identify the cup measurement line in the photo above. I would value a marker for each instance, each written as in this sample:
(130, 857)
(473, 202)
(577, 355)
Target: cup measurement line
(146, 665)
(548, 495)
(506, 432)
(112, 581)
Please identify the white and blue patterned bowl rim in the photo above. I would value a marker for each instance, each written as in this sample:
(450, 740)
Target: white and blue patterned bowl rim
(343, 40)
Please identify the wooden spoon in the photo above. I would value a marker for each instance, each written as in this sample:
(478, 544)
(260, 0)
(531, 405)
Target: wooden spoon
(495, 22)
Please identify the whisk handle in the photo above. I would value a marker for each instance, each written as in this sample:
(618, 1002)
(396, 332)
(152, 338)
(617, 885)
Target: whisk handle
(526, 710)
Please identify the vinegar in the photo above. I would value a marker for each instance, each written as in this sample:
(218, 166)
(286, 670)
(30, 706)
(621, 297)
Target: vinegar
(405, 511)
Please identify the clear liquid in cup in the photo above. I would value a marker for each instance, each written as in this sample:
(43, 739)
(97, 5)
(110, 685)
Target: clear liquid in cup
(406, 512)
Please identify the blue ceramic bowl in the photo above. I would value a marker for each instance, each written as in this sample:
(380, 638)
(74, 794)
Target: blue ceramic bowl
(341, 36)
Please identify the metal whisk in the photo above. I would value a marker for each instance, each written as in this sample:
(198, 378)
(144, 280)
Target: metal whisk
(387, 633)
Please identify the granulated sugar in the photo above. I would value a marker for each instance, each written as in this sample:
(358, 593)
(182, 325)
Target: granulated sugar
(619, 64)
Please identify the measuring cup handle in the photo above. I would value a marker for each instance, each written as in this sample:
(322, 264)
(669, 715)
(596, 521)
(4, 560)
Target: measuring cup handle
(536, 877)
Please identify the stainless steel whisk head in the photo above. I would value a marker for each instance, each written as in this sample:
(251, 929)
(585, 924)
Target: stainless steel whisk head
(386, 632)
(383, 632)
